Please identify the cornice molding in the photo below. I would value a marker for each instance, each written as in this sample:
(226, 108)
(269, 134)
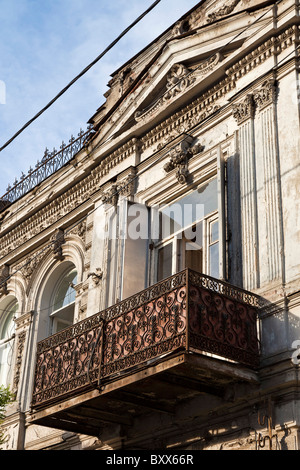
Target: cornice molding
(273, 46)
(66, 203)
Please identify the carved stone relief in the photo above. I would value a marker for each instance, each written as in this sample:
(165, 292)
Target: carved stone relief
(22, 326)
(18, 364)
(96, 276)
(178, 80)
(57, 241)
(181, 27)
(266, 95)
(80, 230)
(125, 187)
(4, 274)
(259, 99)
(223, 11)
(29, 266)
(111, 196)
(244, 110)
(179, 157)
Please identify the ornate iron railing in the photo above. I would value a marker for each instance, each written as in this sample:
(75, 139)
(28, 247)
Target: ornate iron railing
(187, 310)
(50, 163)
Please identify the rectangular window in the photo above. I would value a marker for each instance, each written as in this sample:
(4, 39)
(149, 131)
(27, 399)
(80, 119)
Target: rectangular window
(189, 233)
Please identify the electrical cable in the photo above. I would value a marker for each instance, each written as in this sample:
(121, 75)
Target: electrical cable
(83, 72)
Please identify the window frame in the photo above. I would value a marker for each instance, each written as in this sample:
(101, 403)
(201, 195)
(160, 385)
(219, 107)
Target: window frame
(176, 238)
(7, 341)
(55, 316)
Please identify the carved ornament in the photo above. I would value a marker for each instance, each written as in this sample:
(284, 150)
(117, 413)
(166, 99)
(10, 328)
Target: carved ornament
(179, 157)
(260, 99)
(80, 230)
(57, 241)
(266, 95)
(223, 11)
(29, 266)
(124, 187)
(244, 110)
(111, 196)
(4, 274)
(22, 326)
(179, 79)
(96, 276)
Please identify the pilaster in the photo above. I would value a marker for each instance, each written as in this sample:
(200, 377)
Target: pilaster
(268, 172)
(243, 112)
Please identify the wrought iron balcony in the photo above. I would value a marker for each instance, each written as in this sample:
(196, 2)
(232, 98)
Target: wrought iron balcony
(188, 313)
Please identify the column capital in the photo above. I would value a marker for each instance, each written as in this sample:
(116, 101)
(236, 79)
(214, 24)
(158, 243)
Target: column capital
(244, 110)
(266, 94)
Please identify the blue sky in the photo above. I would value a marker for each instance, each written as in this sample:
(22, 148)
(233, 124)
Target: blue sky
(43, 46)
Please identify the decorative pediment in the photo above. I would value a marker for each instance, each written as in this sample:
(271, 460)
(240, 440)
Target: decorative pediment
(182, 64)
(178, 80)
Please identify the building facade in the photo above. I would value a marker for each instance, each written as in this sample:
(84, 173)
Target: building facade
(150, 269)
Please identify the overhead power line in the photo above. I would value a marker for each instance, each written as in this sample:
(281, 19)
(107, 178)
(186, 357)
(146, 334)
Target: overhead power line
(83, 72)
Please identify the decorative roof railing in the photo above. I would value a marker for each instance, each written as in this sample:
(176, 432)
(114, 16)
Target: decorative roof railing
(50, 163)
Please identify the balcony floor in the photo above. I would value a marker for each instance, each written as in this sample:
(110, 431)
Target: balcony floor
(158, 386)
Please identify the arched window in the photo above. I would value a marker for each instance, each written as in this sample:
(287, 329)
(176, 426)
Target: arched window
(7, 334)
(62, 311)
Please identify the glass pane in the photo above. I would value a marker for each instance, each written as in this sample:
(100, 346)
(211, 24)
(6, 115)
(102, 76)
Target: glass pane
(9, 325)
(4, 363)
(6, 349)
(214, 231)
(194, 234)
(66, 293)
(189, 209)
(214, 260)
(164, 262)
(208, 196)
(63, 318)
(60, 326)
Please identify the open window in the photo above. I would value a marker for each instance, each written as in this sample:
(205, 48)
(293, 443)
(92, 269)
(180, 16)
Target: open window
(189, 233)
